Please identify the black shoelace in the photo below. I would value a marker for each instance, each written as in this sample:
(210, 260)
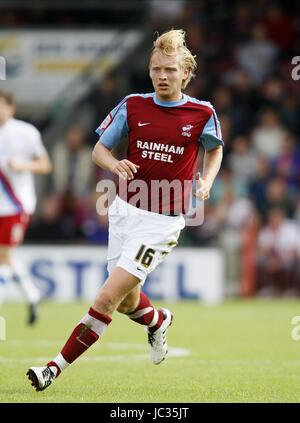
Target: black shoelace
(150, 339)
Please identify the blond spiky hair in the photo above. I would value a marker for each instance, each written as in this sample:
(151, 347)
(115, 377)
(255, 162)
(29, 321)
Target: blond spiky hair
(173, 42)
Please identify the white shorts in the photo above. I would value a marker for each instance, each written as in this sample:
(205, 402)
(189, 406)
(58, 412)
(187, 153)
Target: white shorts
(139, 240)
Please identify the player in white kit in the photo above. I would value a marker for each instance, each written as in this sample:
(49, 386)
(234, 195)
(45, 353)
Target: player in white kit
(21, 155)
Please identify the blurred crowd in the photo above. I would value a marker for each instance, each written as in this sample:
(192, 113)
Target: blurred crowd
(244, 55)
(254, 209)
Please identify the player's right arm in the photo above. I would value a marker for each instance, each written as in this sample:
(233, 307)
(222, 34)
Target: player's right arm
(111, 131)
(103, 157)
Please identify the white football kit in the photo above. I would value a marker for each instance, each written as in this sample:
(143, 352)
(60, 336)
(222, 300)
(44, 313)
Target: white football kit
(20, 141)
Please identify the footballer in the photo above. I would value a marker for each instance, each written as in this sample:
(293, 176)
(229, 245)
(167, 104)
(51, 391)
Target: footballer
(164, 129)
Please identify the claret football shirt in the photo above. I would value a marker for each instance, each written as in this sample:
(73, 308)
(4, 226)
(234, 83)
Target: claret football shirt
(163, 139)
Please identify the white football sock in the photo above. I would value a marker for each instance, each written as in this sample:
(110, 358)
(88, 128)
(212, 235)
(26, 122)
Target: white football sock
(61, 362)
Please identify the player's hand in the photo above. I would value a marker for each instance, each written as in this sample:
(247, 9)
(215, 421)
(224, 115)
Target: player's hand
(202, 188)
(17, 165)
(125, 169)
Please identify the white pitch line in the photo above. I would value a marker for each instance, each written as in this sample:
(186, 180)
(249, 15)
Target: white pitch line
(173, 352)
(20, 343)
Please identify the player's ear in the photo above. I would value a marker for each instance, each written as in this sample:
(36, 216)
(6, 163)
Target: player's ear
(12, 110)
(186, 73)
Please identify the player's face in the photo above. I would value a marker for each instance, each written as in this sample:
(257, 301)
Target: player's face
(6, 111)
(167, 75)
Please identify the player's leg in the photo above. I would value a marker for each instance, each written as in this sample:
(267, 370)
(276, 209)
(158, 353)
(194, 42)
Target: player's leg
(19, 272)
(139, 309)
(12, 230)
(131, 301)
(148, 239)
(32, 294)
(15, 271)
(5, 271)
(89, 329)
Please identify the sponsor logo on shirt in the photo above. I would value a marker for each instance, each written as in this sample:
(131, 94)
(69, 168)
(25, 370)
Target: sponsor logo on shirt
(157, 151)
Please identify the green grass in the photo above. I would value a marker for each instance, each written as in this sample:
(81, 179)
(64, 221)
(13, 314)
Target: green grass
(240, 351)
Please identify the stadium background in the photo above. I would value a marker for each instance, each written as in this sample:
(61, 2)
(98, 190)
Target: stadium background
(70, 62)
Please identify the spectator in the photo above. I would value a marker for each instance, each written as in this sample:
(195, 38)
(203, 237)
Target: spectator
(165, 13)
(73, 174)
(242, 21)
(95, 225)
(278, 254)
(227, 183)
(72, 165)
(257, 187)
(101, 98)
(273, 91)
(245, 100)
(278, 196)
(287, 163)
(290, 111)
(207, 233)
(258, 55)
(279, 27)
(242, 160)
(233, 215)
(268, 136)
(48, 227)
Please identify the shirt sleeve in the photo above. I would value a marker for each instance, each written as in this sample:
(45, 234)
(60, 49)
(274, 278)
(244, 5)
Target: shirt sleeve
(114, 127)
(211, 136)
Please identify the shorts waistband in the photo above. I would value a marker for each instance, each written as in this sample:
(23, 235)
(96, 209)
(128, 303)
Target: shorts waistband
(124, 204)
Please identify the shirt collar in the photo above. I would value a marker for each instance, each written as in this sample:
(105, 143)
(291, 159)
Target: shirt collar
(170, 103)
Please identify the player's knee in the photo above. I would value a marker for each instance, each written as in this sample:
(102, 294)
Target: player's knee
(125, 308)
(128, 305)
(4, 255)
(105, 303)
(122, 308)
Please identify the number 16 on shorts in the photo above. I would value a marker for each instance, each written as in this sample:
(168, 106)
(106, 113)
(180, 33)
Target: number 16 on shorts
(145, 256)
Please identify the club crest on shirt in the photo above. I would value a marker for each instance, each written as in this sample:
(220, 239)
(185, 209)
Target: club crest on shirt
(106, 122)
(186, 130)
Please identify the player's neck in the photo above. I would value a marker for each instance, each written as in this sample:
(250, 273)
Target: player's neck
(173, 98)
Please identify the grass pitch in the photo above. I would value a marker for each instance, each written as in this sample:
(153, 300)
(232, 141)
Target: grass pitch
(239, 351)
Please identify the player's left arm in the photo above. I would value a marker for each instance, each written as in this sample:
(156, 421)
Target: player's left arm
(211, 167)
(211, 139)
